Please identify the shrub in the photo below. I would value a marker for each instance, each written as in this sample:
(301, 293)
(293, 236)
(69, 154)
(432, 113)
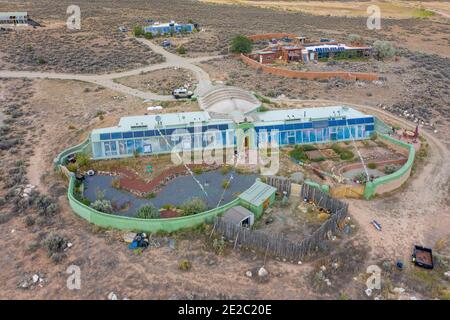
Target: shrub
(193, 206)
(225, 169)
(181, 50)
(344, 154)
(29, 221)
(150, 195)
(383, 50)
(373, 136)
(225, 184)
(138, 31)
(55, 245)
(299, 152)
(41, 60)
(72, 167)
(355, 38)
(390, 168)
(102, 206)
(83, 159)
(115, 183)
(46, 206)
(148, 35)
(197, 170)
(241, 44)
(371, 165)
(219, 245)
(147, 212)
(184, 265)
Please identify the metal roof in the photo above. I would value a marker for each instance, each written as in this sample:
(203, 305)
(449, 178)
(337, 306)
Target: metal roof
(9, 14)
(236, 214)
(305, 114)
(257, 193)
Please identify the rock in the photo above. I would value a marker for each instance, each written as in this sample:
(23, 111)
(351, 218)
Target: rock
(112, 296)
(262, 272)
(398, 290)
(447, 274)
(69, 244)
(35, 278)
(249, 274)
(335, 265)
(299, 262)
(297, 177)
(323, 268)
(368, 292)
(328, 282)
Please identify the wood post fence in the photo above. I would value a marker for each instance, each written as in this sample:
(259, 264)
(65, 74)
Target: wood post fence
(278, 244)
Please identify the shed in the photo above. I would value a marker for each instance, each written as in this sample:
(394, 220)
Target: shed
(239, 216)
(258, 197)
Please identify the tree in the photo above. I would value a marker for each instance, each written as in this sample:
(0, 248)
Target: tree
(138, 31)
(383, 50)
(241, 44)
(193, 206)
(147, 212)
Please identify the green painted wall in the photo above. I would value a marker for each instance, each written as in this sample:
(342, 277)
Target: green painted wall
(371, 187)
(148, 225)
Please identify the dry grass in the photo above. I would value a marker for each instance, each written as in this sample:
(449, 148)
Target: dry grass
(389, 9)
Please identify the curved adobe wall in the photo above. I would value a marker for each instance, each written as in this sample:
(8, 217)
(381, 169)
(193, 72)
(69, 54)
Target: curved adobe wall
(309, 75)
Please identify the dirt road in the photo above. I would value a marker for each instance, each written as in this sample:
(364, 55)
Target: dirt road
(107, 80)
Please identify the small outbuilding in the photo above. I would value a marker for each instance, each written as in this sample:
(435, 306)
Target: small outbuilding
(13, 17)
(239, 216)
(258, 197)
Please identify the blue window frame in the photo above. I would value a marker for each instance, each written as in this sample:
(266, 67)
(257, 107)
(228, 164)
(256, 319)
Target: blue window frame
(298, 136)
(283, 137)
(138, 134)
(305, 134)
(116, 135)
(130, 146)
(128, 135)
(105, 136)
(149, 133)
(312, 136)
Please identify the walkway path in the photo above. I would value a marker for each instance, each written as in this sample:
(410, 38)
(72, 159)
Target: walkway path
(107, 80)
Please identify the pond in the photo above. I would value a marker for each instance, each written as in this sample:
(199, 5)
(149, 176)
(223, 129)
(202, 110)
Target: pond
(176, 192)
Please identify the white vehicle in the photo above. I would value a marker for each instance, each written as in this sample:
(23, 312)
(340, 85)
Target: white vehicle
(180, 93)
(154, 108)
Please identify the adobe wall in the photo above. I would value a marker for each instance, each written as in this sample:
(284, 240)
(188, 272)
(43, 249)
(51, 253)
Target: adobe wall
(309, 75)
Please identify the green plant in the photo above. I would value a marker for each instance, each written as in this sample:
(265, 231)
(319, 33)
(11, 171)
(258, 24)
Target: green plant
(150, 195)
(41, 60)
(83, 159)
(299, 152)
(115, 183)
(219, 245)
(344, 153)
(225, 169)
(355, 38)
(383, 50)
(72, 167)
(148, 35)
(390, 168)
(184, 265)
(193, 206)
(372, 165)
(147, 212)
(181, 50)
(197, 170)
(225, 184)
(241, 44)
(138, 31)
(167, 206)
(102, 206)
(373, 136)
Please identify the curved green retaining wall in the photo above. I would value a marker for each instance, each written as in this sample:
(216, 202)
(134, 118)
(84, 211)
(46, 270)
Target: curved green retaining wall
(128, 223)
(371, 187)
(60, 158)
(148, 225)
